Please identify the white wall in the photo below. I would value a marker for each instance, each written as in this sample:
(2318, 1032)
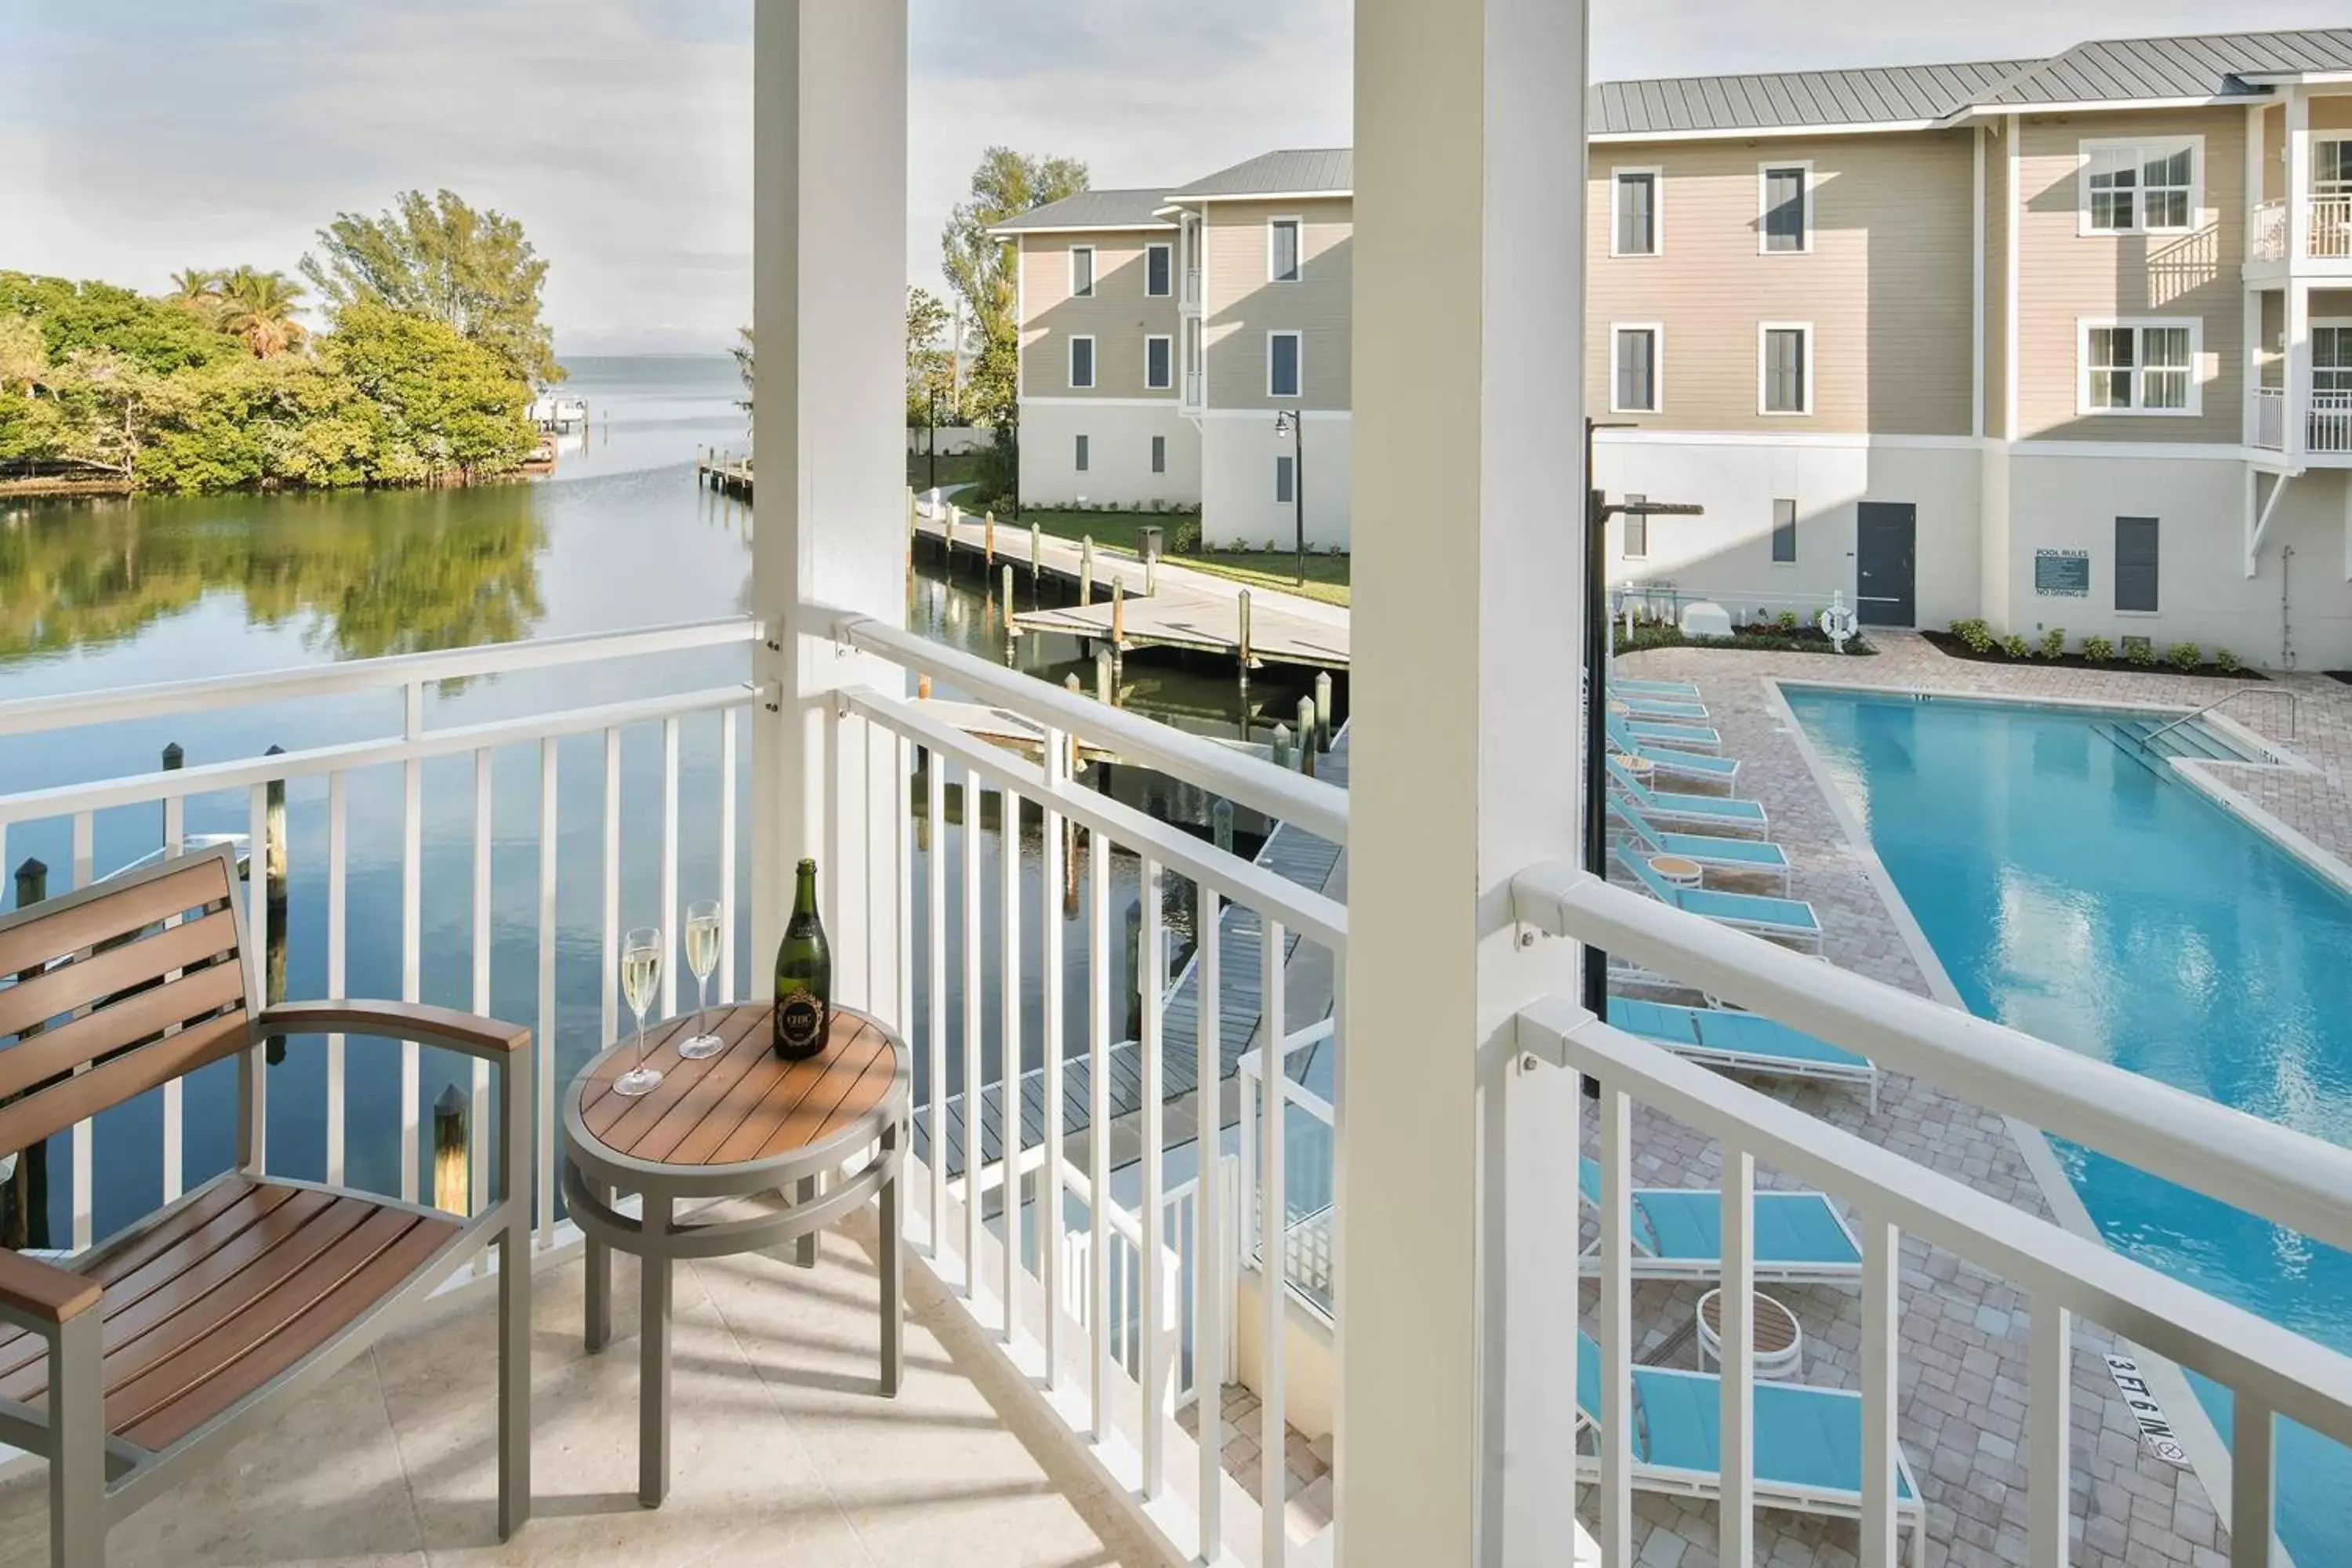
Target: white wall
(1238, 506)
(2203, 594)
(1118, 454)
(1726, 554)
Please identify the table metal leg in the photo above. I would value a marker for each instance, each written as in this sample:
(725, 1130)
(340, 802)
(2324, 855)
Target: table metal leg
(894, 1273)
(804, 1249)
(598, 1332)
(652, 1378)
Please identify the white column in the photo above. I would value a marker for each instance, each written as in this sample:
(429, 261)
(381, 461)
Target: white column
(829, 259)
(1456, 1266)
(2298, 178)
(2297, 372)
(2250, 325)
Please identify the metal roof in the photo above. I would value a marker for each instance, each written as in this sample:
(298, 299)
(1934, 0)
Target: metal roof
(1291, 172)
(1788, 100)
(1091, 209)
(2136, 69)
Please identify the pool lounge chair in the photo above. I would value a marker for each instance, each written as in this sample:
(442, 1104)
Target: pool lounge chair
(1789, 919)
(1715, 812)
(1640, 707)
(1697, 735)
(1798, 1237)
(1806, 1442)
(1708, 849)
(1683, 691)
(1724, 771)
(1742, 1042)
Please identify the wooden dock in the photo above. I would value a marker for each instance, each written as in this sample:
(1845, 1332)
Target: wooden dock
(724, 473)
(1166, 606)
(1003, 727)
(1295, 854)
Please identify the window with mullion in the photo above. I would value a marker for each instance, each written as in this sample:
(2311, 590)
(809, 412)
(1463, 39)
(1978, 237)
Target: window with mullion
(1636, 389)
(2164, 367)
(1785, 391)
(1784, 208)
(2114, 356)
(1637, 214)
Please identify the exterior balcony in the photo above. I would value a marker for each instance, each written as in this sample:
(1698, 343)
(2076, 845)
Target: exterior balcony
(1188, 299)
(2327, 234)
(2325, 419)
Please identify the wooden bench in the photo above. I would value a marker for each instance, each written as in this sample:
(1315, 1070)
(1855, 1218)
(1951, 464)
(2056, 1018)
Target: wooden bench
(129, 1360)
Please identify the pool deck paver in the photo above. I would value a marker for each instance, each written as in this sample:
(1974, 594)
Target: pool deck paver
(1965, 1334)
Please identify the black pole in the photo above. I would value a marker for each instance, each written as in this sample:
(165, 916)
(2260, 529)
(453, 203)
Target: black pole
(1298, 489)
(935, 437)
(1596, 696)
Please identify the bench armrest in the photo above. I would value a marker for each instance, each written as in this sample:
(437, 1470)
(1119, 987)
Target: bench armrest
(444, 1026)
(39, 1294)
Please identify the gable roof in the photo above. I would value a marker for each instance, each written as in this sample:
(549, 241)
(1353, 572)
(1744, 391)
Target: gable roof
(1090, 209)
(1292, 172)
(2216, 66)
(1792, 100)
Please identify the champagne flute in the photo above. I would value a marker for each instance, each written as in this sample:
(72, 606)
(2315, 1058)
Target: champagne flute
(641, 966)
(702, 957)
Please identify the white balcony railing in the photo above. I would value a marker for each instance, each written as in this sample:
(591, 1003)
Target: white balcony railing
(344, 767)
(1192, 296)
(1192, 385)
(2331, 227)
(2328, 427)
(2269, 430)
(2266, 231)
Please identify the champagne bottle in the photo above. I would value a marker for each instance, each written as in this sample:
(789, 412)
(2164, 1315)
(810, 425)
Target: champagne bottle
(804, 976)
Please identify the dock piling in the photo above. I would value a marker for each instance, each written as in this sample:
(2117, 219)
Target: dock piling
(947, 545)
(1282, 747)
(1307, 730)
(1105, 686)
(1220, 826)
(1241, 606)
(1087, 571)
(175, 757)
(1322, 709)
(450, 1183)
(1036, 556)
(988, 537)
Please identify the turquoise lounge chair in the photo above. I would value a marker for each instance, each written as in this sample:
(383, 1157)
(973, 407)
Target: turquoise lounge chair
(1706, 849)
(1681, 690)
(1789, 919)
(1798, 1237)
(1699, 735)
(1806, 1442)
(1742, 1042)
(1715, 812)
(1724, 771)
(1641, 707)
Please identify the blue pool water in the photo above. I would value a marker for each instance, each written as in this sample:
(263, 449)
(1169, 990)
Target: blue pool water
(2078, 894)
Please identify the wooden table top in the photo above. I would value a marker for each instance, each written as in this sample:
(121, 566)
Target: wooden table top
(744, 1104)
(1774, 1325)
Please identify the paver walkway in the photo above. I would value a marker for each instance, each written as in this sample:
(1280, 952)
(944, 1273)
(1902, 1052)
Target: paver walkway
(1964, 1333)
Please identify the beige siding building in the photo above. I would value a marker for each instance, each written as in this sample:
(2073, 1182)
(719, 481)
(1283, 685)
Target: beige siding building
(2060, 342)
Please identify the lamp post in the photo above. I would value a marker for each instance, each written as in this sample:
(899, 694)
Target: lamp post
(1292, 422)
(1598, 511)
(935, 436)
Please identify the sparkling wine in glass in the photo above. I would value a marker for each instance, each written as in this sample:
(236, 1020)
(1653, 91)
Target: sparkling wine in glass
(641, 966)
(702, 957)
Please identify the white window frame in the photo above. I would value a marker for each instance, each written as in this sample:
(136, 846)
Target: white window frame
(1149, 385)
(2086, 325)
(2342, 186)
(1772, 535)
(1657, 365)
(1148, 292)
(1657, 208)
(1300, 247)
(2142, 146)
(1764, 205)
(1093, 271)
(1094, 363)
(1297, 360)
(1763, 362)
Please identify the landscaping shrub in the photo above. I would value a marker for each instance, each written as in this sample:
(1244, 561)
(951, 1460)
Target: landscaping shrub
(2185, 655)
(2098, 651)
(2053, 642)
(2226, 661)
(2014, 646)
(1184, 538)
(1786, 620)
(1975, 633)
(2140, 651)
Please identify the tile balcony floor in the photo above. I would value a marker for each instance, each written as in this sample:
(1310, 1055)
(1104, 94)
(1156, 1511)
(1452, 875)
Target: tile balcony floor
(782, 1451)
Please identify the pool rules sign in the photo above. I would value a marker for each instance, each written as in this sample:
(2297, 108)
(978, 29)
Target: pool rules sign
(2140, 1399)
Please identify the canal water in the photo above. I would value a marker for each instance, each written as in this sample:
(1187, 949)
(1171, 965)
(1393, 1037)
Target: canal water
(98, 594)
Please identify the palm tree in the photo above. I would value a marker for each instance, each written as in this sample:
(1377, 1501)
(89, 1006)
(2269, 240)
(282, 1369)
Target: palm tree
(197, 288)
(260, 308)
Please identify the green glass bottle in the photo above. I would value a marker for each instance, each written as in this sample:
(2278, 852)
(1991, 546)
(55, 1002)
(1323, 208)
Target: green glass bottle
(804, 976)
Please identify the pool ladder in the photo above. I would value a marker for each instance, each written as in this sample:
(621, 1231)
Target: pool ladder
(2293, 707)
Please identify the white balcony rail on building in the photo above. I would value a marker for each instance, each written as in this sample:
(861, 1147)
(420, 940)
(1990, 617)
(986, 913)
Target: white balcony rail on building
(2266, 231)
(1193, 389)
(2269, 430)
(1117, 1397)
(1192, 298)
(1306, 1237)
(408, 752)
(2330, 426)
(2331, 227)
(2293, 1180)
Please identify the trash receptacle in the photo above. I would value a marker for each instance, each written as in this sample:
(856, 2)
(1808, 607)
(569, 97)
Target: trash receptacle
(1149, 537)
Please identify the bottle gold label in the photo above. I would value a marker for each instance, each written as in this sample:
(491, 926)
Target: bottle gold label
(800, 1025)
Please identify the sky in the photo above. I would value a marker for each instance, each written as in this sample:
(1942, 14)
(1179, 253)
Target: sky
(139, 137)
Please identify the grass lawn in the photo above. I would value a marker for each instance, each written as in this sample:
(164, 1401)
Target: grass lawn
(1326, 575)
(955, 468)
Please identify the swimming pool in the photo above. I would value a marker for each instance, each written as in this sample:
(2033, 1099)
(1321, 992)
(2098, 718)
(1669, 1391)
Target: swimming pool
(2072, 890)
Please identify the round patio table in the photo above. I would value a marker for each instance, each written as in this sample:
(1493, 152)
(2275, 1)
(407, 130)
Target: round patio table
(1777, 1343)
(1678, 870)
(741, 1123)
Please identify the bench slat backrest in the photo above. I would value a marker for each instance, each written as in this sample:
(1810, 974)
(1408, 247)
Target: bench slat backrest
(108, 991)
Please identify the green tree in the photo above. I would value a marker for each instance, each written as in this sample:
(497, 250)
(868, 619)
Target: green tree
(23, 357)
(259, 307)
(930, 365)
(441, 404)
(150, 333)
(439, 259)
(980, 267)
(196, 289)
(742, 351)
